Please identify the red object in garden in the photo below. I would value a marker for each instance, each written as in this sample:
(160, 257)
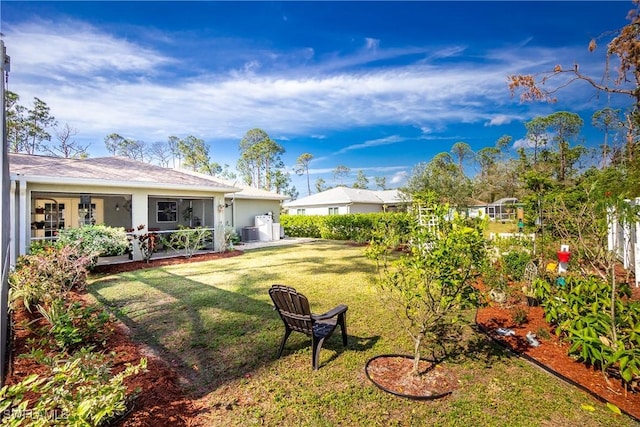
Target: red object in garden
(564, 256)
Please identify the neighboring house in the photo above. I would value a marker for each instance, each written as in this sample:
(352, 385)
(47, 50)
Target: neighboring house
(346, 200)
(504, 209)
(475, 209)
(243, 206)
(50, 193)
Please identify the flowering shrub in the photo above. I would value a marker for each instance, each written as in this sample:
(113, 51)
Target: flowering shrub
(47, 275)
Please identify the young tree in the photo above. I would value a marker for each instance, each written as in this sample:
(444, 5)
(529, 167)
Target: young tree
(67, 147)
(302, 167)
(428, 286)
(361, 181)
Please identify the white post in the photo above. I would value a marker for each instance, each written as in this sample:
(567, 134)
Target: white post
(5, 249)
(139, 216)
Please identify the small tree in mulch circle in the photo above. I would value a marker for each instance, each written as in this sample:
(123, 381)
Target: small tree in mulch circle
(428, 286)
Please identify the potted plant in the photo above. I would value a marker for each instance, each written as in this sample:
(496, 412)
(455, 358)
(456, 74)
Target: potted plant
(427, 287)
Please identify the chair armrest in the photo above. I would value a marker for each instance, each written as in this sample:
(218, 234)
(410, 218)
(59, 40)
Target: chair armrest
(331, 313)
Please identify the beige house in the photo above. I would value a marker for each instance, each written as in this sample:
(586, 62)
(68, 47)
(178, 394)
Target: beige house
(244, 205)
(346, 200)
(50, 193)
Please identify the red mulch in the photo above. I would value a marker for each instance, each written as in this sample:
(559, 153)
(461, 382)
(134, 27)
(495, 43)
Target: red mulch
(161, 401)
(393, 373)
(553, 354)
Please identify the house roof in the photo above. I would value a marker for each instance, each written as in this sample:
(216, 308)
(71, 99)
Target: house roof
(346, 195)
(246, 191)
(116, 171)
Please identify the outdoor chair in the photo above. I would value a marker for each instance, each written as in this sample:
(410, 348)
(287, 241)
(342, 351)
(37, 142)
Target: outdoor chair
(295, 313)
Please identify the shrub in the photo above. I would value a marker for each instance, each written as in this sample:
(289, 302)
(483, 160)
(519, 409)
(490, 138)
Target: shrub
(581, 312)
(96, 240)
(75, 391)
(47, 275)
(353, 227)
(188, 239)
(301, 225)
(72, 324)
(515, 261)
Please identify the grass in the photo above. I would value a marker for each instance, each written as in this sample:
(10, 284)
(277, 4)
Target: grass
(214, 322)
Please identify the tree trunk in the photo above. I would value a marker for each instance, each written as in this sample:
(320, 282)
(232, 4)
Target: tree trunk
(416, 356)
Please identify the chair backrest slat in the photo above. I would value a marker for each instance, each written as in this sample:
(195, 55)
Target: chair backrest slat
(293, 308)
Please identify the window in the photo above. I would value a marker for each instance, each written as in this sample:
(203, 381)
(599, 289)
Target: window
(167, 211)
(300, 211)
(334, 211)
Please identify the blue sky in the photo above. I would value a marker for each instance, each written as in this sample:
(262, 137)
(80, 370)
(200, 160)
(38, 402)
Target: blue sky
(374, 86)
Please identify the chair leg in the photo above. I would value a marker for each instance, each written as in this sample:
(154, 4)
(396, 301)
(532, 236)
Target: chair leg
(287, 332)
(316, 345)
(342, 321)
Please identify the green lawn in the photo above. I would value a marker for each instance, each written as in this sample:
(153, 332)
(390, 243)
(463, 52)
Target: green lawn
(215, 322)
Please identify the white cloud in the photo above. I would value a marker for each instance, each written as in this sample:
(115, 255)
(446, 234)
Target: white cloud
(500, 119)
(393, 139)
(100, 84)
(372, 44)
(398, 178)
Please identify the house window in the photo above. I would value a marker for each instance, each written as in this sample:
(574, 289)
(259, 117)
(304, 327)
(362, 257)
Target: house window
(333, 211)
(300, 211)
(167, 211)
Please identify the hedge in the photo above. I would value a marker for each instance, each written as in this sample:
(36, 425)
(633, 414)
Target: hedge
(353, 227)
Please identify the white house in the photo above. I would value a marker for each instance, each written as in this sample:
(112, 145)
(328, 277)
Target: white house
(50, 193)
(346, 200)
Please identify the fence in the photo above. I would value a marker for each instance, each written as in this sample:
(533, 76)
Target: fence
(623, 240)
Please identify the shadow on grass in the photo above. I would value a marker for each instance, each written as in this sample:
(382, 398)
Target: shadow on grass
(209, 335)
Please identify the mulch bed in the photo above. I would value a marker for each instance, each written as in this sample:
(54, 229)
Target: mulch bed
(161, 400)
(552, 355)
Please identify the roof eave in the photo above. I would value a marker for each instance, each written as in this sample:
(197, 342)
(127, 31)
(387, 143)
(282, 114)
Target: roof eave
(41, 179)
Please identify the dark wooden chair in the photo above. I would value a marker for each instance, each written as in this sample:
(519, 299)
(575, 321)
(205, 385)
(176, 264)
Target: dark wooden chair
(295, 313)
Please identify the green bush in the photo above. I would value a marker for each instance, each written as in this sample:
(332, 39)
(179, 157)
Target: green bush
(353, 227)
(515, 262)
(581, 313)
(301, 225)
(79, 390)
(96, 240)
(47, 275)
(71, 324)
